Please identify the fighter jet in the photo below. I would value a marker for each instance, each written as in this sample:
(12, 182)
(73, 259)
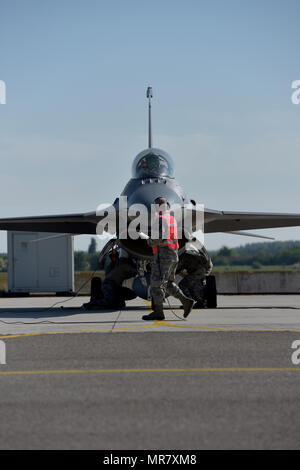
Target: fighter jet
(153, 175)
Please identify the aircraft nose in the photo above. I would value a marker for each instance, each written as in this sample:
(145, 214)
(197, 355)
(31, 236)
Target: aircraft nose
(147, 193)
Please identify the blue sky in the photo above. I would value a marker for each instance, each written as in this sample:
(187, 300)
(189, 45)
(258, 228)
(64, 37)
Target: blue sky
(76, 74)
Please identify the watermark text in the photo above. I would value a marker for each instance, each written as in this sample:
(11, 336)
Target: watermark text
(129, 221)
(2, 352)
(296, 95)
(296, 354)
(2, 92)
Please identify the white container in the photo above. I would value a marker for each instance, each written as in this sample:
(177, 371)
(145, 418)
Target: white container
(40, 266)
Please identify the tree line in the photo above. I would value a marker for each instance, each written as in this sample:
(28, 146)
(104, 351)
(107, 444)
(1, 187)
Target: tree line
(255, 255)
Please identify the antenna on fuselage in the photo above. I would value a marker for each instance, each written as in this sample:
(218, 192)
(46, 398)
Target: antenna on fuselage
(149, 96)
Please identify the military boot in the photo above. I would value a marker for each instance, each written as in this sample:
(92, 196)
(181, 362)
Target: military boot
(187, 304)
(157, 314)
(199, 304)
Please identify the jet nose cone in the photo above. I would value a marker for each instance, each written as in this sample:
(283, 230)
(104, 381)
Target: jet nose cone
(146, 194)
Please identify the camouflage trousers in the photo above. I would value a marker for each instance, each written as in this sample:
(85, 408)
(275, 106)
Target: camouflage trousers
(163, 277)
(110, 296)
(192, 285)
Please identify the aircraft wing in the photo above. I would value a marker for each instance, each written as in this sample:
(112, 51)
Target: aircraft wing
(84, 223)
(227, 221)
(214, 221)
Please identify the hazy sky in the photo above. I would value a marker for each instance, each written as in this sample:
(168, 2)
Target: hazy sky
(76, 74)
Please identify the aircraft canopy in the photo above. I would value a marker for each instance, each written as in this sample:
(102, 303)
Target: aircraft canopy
(153, 163)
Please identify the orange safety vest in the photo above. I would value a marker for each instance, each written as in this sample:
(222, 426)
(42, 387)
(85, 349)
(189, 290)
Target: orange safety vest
(172, 241)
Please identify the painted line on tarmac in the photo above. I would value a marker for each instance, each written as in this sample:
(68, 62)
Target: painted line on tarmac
(155, 324)
(134, 371)
(106, 330)
(24, 335)
(236, 329)
(219, 328)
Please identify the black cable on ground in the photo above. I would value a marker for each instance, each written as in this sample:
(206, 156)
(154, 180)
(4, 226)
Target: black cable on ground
(181, 319)
(49, 308)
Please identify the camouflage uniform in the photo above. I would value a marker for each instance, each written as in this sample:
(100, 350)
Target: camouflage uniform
(163, 268)
(113, 293)
(195, 265)
(164, 244)
(192, 285)
(110, 294)
(163, 275)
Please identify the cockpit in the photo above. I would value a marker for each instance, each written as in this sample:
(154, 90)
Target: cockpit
(153, 163)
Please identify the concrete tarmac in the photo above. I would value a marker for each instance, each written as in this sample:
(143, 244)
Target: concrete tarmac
(222, 379)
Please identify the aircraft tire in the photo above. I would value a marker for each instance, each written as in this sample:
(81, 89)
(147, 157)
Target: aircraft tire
(211, 292)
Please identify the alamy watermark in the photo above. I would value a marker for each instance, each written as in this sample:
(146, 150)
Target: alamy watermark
(2, 352)
(130, 221)
(296, 354)
(296, 94)
(2, 92)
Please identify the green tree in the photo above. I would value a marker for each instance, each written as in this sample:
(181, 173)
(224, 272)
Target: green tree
(80, 261)
(93, 261)
(288, 256)
(224, 251)
(3, 264)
